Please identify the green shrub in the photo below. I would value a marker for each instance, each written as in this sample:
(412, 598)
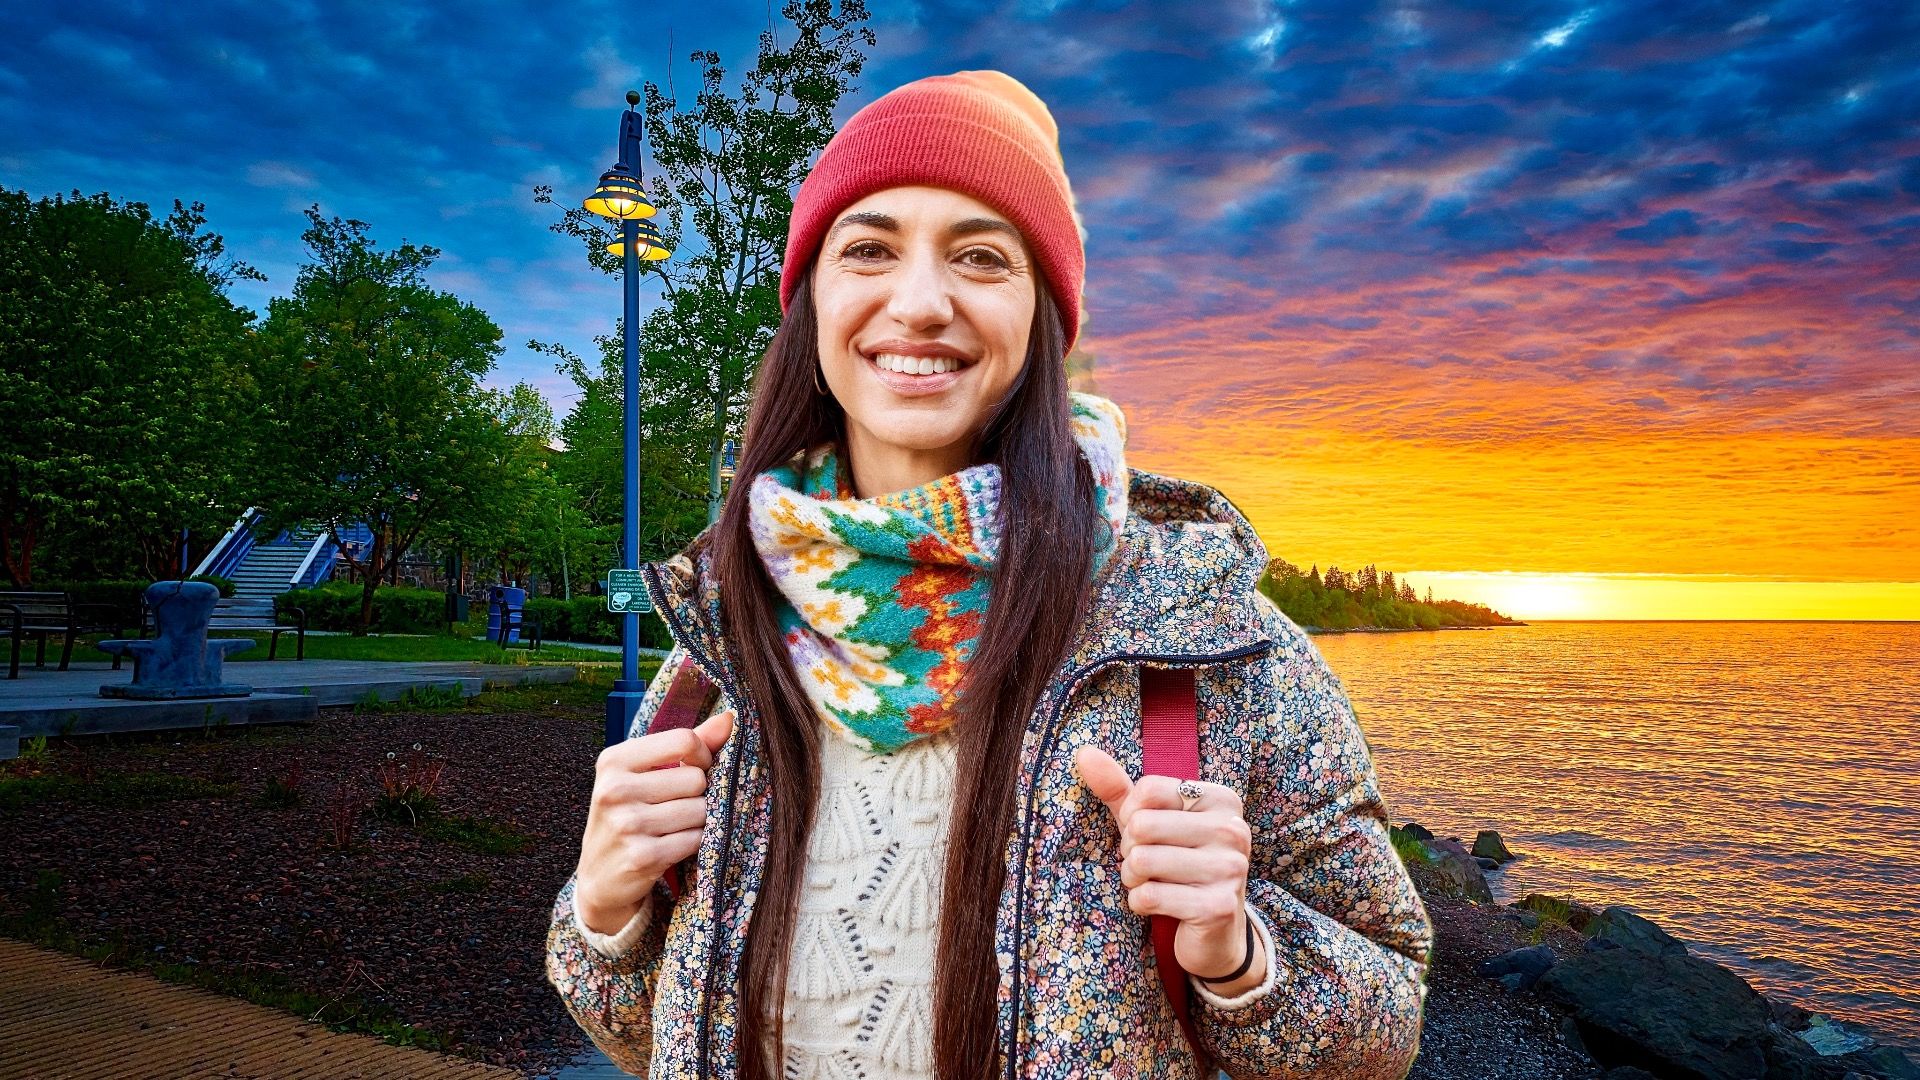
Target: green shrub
(586, 618)
(225, 585)
(335, 605)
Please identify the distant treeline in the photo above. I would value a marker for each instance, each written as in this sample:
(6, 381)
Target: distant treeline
(1339, 600)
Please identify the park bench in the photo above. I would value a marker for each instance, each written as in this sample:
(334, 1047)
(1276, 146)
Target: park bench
(40, 614)
(235, 613)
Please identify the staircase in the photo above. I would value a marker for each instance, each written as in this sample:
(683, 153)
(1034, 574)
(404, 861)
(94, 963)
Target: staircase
(268, 569)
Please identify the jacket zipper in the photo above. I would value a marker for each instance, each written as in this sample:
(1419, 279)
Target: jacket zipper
(720, 675)
(1049, 736)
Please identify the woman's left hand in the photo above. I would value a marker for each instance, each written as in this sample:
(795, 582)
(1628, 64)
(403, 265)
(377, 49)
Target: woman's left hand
(1188, 864)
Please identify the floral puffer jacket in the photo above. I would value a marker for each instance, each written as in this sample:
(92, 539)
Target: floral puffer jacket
(1080, 996)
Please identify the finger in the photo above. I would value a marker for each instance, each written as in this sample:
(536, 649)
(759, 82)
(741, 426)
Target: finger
(1153, 792)
(715, 730)
(1188, 828)
(1105, 777)
(1187, 903)
(676, 846)
(665, 818)
(660, 785)
(1183, 866)
(661, 748)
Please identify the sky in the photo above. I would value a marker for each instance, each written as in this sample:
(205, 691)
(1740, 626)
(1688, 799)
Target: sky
(1584, 310)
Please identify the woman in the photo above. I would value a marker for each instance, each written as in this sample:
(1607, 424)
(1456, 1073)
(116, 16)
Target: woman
(911, 839)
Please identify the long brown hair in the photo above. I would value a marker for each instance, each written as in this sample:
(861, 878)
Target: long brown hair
(1040, 587)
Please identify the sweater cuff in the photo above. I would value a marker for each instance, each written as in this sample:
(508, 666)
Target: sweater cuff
(612, 946)
(1266, 985)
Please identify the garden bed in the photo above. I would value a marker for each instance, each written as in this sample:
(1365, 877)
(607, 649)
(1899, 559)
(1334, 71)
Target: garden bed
(216, 860)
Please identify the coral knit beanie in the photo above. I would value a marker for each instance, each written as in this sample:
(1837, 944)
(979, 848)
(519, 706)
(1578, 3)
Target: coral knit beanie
(981, 133)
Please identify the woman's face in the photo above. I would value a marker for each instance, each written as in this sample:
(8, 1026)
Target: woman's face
(921, 277)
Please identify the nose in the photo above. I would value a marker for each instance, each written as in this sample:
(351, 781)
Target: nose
(920, 294)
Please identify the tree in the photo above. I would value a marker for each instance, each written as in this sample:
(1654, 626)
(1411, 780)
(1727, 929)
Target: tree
(724, 190)
(1369, 582)
(373, 410)
(121, 376)
(1387, 587)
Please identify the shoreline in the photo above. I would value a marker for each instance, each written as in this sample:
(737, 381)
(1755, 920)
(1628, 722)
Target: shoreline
(1403, 629)
(1628, 996)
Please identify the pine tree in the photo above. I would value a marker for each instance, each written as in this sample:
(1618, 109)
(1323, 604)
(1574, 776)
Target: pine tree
(1387, 587)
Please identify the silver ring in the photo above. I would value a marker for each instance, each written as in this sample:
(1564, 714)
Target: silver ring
(1190, 792)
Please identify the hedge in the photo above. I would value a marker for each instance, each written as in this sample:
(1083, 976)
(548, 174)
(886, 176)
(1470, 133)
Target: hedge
(586, 618)
(335, 605)
(123, 596)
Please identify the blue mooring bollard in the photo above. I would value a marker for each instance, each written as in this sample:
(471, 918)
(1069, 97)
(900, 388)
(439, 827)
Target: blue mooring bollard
(179, 661)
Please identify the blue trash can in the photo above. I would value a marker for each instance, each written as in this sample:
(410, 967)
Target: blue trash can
(510, 600)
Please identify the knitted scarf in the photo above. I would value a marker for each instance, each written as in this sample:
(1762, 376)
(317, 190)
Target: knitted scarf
(882, 599)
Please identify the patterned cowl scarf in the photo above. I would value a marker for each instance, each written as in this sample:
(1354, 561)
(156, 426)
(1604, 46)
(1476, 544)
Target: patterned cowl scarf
(883, 599)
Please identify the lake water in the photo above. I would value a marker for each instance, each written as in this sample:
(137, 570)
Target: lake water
(1752, 787)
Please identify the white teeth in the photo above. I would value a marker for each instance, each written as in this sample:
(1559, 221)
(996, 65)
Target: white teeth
(916, 365)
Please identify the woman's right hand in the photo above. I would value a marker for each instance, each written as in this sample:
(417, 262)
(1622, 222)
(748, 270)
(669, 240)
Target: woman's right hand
(645, 815)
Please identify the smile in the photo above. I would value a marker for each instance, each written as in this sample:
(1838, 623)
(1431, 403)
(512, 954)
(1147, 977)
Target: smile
(917, 365)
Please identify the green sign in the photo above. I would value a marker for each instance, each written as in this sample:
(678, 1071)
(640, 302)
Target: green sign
(626, 592)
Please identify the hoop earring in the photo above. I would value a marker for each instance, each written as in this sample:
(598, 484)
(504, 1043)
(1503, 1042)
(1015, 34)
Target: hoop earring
(817, 387)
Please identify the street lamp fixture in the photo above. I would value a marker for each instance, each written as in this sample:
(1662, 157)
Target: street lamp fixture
(621, 195)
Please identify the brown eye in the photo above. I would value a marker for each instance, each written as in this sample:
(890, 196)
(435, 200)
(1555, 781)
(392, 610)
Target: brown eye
(854, 249)
(994, 260)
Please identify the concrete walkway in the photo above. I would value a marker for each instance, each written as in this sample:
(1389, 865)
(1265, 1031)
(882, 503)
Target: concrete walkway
(47, 701)
(63, 1017)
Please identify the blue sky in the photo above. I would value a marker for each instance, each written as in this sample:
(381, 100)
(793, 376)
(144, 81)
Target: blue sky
(1311, 224)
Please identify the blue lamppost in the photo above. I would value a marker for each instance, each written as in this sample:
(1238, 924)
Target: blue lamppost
(622, 197)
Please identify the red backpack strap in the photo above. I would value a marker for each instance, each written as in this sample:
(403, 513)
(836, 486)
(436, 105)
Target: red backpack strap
(689, 698)
(1170, 746)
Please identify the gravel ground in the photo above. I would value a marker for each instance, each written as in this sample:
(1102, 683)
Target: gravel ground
(400, 923)
(1474, 1028)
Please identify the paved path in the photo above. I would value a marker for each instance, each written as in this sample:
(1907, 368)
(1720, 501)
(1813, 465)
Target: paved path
(47, 701)
(64, 1018)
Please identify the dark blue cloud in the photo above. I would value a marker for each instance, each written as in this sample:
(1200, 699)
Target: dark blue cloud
(1326, 145)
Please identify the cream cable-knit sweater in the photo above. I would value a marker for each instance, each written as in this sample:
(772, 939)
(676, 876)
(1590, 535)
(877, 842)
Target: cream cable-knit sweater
(859, 999)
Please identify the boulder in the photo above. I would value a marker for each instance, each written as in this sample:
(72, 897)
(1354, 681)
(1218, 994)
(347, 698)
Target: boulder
(1831, 1038)
(1576, 914)
(1881, 1062)
(1672, 1014)
(1517, 969)
(1524, 917)
(1631, 931)
(1487, 843)
(1418, 830)
(1458, 873)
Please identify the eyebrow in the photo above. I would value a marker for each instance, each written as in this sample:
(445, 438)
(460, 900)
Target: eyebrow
(887, 223)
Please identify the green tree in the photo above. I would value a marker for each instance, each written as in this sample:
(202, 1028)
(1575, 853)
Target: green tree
(121, 377)
(727, 170)
(373, 409)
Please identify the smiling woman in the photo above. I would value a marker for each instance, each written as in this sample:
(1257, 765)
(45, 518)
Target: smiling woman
(906, 838)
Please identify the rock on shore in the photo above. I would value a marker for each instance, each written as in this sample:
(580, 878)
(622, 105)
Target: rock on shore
(1549, 988)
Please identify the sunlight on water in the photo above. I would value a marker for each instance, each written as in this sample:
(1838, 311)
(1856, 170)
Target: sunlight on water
(1752, 787)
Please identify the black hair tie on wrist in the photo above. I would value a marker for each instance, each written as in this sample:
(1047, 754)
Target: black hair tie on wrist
(1244, 964)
